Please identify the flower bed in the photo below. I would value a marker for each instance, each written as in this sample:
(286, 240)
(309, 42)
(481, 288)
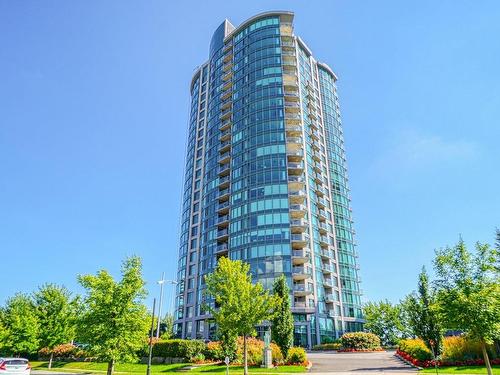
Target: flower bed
(351, 350)
(432, 363)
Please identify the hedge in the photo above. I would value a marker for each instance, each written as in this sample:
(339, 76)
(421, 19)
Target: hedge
(328, 346)
(360, 341)
(178, 348)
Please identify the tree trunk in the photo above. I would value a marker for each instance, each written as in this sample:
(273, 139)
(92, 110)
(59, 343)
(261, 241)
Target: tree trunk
(111, 367)
(245, 362)
(486, 359)
(50, 359)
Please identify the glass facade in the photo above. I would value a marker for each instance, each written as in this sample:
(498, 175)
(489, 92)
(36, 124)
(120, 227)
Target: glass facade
(266, 180)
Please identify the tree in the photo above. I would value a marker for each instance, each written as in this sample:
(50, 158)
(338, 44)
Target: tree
(497, 242)
(385, 320)
(56, 314)
(469, 291)
(282, 323)
(20, 325)
(239, 304)
(423, 314)
(167, 327)
(113, 320)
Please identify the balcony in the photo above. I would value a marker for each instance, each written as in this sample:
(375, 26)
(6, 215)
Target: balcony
(303, 307)
(228, 46)
(302, 290)
(224, 170)
(222, 248)
(324, 241)
(301, 273)
(295, 168)
(296, 181)
(287, 45)
(297, 210)
(224, 182)
(327, 269)
(227, 76)
(329, 298)
(228, 56)
(300, 256)
(293, 118)
(322, 216)
(226, 114)
(227, 66)
(327, 283)
(295, 155)
(224, 146)
(318, 178)
(289, 80)
(294, 140)
(326, 254)
(225, 157)
(323, 227)
(226, 124)
(316, 155)
(320, 191)
(226, 104)
(314, 125)
(225, 135)
(297, 196)
(223, 221)
(222, 234)
(223, 208)
(225, 95)
(321, 202)
(298, 225)
(299, 240)
(223, 195)
(293, 129)
(292, 107)
(286, 29)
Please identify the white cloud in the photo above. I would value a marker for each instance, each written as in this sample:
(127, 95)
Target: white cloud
(412, 150)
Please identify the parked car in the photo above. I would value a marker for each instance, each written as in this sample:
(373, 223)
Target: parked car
(14, 366)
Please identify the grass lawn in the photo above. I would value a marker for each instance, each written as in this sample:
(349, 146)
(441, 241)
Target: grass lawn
(463, 370)
(135, 368)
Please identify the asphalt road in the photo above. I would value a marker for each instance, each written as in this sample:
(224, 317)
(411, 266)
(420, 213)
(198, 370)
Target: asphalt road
(359, 363)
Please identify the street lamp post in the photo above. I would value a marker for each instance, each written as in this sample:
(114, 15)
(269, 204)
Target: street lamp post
(162, 282)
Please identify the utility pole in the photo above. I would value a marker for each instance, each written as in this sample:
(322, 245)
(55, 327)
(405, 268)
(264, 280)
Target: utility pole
(161, 282)
(148, 371)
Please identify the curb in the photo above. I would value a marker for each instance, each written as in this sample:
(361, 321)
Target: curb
(407, 362)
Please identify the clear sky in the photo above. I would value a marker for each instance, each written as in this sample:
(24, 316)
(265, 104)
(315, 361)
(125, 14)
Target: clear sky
(93, 113)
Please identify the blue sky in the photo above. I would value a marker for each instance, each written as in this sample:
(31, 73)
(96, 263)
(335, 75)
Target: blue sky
(93, 113)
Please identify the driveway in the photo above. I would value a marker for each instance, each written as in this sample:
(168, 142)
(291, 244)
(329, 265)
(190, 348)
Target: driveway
(359, 363)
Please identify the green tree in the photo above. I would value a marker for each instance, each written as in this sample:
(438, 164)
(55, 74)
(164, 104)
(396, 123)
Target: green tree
(239, 305)
(423, 314)
(56, 314)
(20, 326)
(385, 320)
(282, 323)
(113, 319)
(167, 327)
(469, 291)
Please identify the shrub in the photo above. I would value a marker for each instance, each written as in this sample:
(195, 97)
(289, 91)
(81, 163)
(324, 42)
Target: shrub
(296, 356)
(415, 348)
(255, 348)
(329, 346)
(460, 348)
(214, 351)
(65, 351)
(179, 348)
(360, 341)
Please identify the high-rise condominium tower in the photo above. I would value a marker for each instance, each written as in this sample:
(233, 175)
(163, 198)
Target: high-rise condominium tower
(266, 179)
